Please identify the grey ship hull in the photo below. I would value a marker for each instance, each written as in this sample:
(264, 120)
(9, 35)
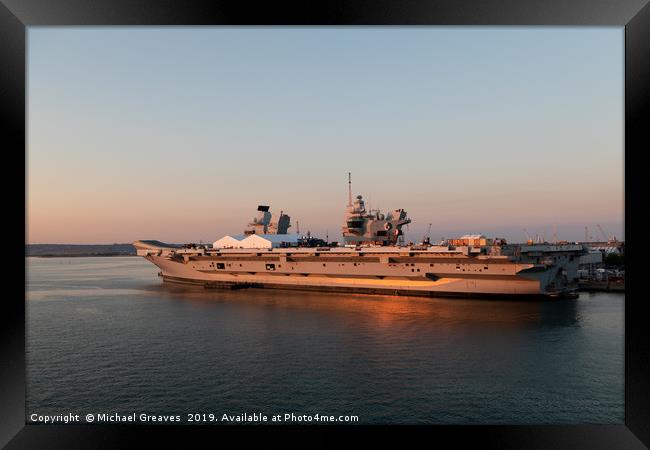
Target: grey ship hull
(533, 273)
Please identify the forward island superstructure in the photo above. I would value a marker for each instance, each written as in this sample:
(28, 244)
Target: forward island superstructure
(372, 261)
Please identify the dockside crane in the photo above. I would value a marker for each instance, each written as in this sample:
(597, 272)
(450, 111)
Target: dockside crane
(528, 239)
(602, 232)
(427, 237)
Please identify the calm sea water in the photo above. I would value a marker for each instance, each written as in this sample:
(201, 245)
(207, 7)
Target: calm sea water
(104, 335)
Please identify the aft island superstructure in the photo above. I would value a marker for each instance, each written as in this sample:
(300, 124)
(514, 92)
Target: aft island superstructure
(372, 262)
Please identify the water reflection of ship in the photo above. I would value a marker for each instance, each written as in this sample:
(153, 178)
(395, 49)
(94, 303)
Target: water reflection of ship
(391, 310)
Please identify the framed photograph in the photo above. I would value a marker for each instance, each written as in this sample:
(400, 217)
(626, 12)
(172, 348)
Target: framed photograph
(415, 217)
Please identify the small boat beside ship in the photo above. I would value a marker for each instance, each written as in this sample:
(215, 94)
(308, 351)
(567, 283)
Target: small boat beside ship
(373, 260)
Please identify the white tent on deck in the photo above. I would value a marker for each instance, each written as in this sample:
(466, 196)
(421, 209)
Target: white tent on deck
(269, 240)
(227, 242)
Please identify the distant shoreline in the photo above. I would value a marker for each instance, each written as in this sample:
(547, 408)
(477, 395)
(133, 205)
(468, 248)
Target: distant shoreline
(80, 255)
(78, 250)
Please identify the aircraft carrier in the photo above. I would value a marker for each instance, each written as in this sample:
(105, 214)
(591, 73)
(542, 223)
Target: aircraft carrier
(373, 260)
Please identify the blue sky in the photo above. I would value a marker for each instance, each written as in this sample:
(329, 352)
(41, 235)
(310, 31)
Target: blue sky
(179, 133)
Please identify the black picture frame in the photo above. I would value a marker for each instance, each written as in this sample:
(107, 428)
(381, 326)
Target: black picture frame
(634, 15)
